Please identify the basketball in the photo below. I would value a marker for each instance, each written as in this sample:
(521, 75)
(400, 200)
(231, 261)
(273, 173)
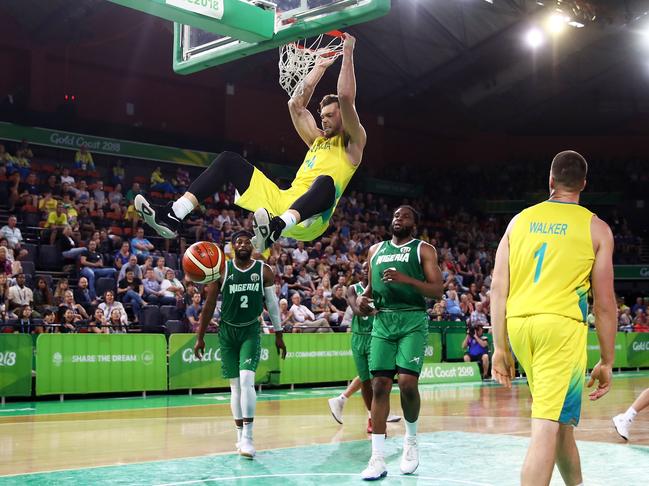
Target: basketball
(203, 262)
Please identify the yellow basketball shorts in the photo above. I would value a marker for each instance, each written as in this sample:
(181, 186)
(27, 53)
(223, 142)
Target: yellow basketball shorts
(552, 351)
(264, 193)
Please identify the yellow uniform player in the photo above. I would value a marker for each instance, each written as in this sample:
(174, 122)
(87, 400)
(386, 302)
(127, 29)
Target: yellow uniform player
(303, 210)
(546, 262)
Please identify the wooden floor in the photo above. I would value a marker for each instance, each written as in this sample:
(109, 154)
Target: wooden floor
(31, 443)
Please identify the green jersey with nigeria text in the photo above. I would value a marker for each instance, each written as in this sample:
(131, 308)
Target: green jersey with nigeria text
(405, 259)
(243, 294)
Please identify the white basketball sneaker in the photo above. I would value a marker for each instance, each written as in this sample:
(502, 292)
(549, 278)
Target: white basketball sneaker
(336, 406)
(163, 220)
(267, 229)
(246, 448)
(622, 424)
(410, 457)
(376, 469)
(393, 418)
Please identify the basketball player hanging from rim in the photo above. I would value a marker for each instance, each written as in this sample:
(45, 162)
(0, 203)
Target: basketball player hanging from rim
(302, 211)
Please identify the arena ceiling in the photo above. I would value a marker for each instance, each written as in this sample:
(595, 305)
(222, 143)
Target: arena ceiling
(465, 59)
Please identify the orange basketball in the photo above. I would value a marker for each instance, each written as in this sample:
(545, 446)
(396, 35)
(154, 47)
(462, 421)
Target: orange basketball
(203, 262)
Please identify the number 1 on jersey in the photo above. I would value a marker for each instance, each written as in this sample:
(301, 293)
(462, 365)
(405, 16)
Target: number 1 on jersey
(540, 253)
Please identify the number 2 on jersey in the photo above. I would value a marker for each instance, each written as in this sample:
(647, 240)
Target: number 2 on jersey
(540, 254)
(244, 302)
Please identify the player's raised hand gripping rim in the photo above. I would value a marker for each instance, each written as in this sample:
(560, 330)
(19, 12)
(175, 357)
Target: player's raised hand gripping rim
(325, 61)
(349, 43)
(502, 368)
(603, 374)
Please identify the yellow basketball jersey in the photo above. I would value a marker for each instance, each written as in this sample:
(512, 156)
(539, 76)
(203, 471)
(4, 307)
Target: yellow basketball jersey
(550, 260)
(326, 156)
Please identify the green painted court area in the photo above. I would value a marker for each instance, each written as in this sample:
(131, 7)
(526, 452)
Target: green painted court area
(447, 458)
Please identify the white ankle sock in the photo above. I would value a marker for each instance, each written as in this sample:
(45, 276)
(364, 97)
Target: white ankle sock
(239, 433)
(630, 414)
(247, 430)
(378, 444)
(411, 428)
(343, 397)
(288, 218)
(182, 207)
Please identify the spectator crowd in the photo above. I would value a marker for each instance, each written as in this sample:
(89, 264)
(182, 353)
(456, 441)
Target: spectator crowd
(114, 277)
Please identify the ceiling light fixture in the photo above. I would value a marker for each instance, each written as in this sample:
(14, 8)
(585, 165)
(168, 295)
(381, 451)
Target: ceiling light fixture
(534, 38)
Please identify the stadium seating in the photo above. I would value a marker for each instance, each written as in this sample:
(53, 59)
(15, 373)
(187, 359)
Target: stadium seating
(103, 284)
(175, 326)
(151, 315)
(50, 258)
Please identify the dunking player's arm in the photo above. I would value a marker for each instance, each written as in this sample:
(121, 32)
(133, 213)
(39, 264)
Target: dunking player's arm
(346, 99)
(304, 121)
(271, 304)
(432, 287)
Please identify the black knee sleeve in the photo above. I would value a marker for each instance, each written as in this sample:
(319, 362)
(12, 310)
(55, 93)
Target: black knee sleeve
(405, 371)
(320, 197)
(384, 373)
(227, 167)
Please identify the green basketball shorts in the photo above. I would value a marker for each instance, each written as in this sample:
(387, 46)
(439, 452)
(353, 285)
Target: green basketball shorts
(361, 354)
(398, 342)
(240, 348)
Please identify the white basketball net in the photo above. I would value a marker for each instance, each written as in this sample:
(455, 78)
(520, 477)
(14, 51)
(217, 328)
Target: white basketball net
(297, 59)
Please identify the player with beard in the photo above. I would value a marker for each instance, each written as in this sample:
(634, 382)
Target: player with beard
(302, 211)
(403, 271)
(245, 285)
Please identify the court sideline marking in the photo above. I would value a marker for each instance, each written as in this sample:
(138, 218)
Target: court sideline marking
(291, 475)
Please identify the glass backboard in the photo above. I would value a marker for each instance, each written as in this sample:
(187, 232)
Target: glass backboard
(196, 49)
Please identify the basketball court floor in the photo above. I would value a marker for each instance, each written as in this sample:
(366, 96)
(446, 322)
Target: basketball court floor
(471, 434)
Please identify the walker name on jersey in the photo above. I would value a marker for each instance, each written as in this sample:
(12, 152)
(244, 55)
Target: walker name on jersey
(398, 257)
(559, 229)
(245, 287)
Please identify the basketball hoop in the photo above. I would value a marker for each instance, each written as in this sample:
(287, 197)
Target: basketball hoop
(296, 59)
